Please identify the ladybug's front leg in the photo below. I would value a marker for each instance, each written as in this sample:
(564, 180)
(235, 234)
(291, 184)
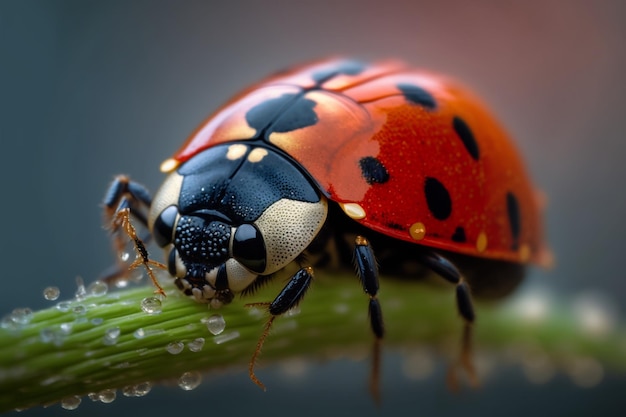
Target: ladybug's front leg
(288, 298)
(123, 199)
(447, 270)
(367, 270)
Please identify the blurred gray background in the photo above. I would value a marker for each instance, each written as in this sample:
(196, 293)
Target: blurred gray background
(92, 89)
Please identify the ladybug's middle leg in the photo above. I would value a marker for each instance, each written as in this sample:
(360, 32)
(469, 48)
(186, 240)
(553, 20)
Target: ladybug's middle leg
(447, 270)
(123, 199)
(367, 270)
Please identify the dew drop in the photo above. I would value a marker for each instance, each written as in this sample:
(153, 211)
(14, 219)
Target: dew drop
(46, 335)
(137, 275)
(96, 321)
(64, 306)
(190, 380)
(533, 306)
(139, 333)
(94, 396)
(81, 292)
(121, 283)
(22, 316)
(79, 310)
(97, 289)
(8, 323)
(58, 338)
(596, 314)
(151, 305)
(70, 403)
(215, 323)
(143, 388)
(107, 396)
(66, 328)
(585, 372)
(175, 347)
(226, 337)
(196, 345)
(124, 256)
(51, 293)
(111, 335)
(128, 391)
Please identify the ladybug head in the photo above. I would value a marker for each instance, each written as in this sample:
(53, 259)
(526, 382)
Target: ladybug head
(225, 220)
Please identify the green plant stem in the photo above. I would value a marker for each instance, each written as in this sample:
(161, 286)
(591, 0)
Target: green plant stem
(59, 354)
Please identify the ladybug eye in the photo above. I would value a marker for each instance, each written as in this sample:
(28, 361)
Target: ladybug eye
(249, 248)
(163, 228)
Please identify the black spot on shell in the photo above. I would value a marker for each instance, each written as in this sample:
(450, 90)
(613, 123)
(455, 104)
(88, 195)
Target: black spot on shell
(459, 235)
(373, 171)
(417, 95)
(467, 137)
(282, 114)
(350, 67)
(437, 199)
(515, 221)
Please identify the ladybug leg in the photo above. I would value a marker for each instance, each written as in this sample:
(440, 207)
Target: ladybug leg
(288, 298)
(123, 199)
(367, 270)
(447, 270)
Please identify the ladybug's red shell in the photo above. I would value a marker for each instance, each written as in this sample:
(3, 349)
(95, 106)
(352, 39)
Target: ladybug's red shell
(406, 153)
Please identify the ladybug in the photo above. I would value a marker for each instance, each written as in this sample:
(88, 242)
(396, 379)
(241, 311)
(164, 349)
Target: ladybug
(320, 166)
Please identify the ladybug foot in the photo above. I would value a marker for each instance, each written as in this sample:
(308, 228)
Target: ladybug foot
(122, 219)
(464, 364)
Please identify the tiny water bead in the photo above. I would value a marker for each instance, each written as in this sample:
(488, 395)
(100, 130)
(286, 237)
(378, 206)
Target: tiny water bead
(175, 347)
(143, 388)
(190, 380)
(141, 332)
(21, 316)
(138, 390)
(81, 292)
(124, 256)
(215, 323)
(107, 396)
(97, 289)
(64, 306)
(226, 337)
(51, 293)
(151, 305)
(79, 310)
(196, 345)
(46, 335)
(111, 335)
(71, 403)
(66, 328)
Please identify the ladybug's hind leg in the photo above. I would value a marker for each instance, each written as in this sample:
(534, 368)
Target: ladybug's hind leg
(123, 199)
(447, 270)
(367, 270)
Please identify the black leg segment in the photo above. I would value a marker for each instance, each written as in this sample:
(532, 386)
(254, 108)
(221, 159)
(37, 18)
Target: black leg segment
(293, 292)
(447, 270)
(288, 298)
(367, 270)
